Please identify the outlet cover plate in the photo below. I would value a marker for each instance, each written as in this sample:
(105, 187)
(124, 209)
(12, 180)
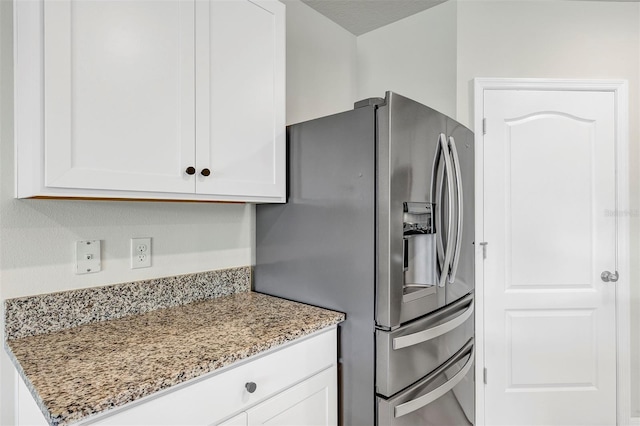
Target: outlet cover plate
(140, 253)
(88, 257)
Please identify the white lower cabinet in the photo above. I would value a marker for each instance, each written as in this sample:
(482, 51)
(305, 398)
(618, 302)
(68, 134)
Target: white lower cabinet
(295, 385)
(310, 403)
(239, 420)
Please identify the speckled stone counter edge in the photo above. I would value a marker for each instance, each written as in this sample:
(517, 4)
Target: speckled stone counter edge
(46, 313)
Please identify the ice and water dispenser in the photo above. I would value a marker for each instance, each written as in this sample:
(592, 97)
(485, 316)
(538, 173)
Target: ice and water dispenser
(419, 251)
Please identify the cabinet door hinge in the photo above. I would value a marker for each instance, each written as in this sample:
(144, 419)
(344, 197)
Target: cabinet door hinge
(484, 249)
(484, 375)
(484, 126)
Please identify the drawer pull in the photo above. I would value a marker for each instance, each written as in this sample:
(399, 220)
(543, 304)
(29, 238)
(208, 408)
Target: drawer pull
(190, 170)
(205, 172)
(251, 387)
(432, 333)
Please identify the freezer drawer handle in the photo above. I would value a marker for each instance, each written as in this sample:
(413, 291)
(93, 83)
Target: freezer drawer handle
(418, 403)
(432, 333)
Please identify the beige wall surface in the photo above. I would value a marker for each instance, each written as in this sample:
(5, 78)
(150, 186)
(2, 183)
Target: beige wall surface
(415, 57)
(37, 236)
(321, 64)
(561, 39)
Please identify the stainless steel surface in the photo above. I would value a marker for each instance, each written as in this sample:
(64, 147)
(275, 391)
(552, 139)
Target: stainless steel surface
(464, 275)
(459, 210)
(432, 333)
(421, 401)
(607, 276)
(359, 235)
(446, 247)
(433, 401)
(409, 135)
(319, 247)
(414, 350)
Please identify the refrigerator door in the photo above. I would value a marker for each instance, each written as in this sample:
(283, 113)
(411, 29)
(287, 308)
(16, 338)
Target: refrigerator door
(444, 398)
(409, 136)
(460, 279)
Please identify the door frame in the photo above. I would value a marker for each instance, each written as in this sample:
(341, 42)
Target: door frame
(623, 322)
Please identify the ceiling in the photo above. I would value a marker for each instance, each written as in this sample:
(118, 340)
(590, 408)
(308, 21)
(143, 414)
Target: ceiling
(361, 16)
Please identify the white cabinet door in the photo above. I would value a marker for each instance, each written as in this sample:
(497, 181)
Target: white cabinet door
(119, 94)
(240, 131)
(239, 420)
(311, 403)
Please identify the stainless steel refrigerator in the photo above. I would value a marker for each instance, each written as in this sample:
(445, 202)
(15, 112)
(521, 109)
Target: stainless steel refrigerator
(379, 224)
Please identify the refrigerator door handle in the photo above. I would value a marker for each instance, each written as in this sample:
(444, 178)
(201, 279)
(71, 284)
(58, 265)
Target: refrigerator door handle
(443, 150)
(460, 214)
(433, 332)
(418, 403)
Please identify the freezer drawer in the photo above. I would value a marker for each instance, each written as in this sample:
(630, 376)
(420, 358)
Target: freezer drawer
(443, 398)
(409, 353)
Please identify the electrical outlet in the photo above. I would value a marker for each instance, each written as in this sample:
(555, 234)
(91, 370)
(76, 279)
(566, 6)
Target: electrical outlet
(140, 253)
(88, 257)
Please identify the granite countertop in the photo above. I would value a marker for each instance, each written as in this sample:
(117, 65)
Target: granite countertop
(85, 370)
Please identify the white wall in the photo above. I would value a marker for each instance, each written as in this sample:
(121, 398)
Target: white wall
(560, 39)
(37, 236)
(321, 64)
(415, 57)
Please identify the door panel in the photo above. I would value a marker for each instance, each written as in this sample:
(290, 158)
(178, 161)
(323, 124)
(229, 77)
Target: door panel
(564, 363)
(559, 151)
(549, 162)
(119, 94)
(239, 43)
(312, 402)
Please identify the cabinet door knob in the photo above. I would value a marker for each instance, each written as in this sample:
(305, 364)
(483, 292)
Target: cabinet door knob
(205, 172)
(251, 387)
(190, 170)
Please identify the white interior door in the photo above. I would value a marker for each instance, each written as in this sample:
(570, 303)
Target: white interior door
(549, 198)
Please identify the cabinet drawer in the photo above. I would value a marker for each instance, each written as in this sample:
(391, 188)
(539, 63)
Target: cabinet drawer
(214, 397)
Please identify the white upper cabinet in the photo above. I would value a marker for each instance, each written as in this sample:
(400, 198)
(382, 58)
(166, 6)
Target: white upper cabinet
(150, 99)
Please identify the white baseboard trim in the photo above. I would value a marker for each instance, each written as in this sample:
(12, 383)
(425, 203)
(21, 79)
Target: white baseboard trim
(635, 421)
